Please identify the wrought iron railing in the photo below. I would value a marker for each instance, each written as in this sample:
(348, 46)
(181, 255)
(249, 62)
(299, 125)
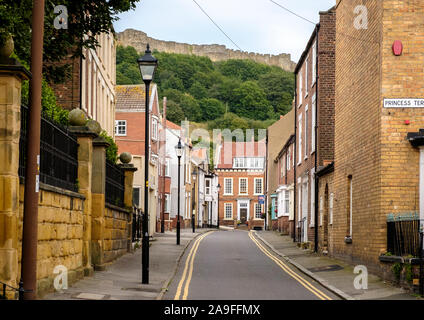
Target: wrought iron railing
(115, 178)
(58, 153)
(20, 291)
(403, 234)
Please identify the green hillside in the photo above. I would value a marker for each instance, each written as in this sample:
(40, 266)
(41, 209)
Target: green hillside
(228, 94)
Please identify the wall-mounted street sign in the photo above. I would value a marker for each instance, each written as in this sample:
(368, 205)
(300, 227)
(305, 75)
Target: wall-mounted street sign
(403, 103)
(261, 199)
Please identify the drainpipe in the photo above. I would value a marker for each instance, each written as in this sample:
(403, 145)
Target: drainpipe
(266, 183)
(316, 139)
(294, 155)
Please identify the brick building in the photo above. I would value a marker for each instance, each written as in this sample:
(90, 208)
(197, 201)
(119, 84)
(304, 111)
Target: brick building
(130, 137)
(92, 83)
(240, 168)
(377, 170)
(314, 122)
(278, 150)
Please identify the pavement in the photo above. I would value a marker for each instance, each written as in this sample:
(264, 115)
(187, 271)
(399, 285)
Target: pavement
(122, 279)
(333, 274)
(228, 265)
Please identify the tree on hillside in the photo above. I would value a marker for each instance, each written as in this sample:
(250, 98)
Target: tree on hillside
(211, 108)
(174, 113)
(250, 102)
(278, 87)
(87, 19)
(190, 107)
(243, 69)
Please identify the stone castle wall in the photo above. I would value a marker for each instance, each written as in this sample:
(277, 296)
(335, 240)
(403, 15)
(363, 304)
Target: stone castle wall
(139, 40)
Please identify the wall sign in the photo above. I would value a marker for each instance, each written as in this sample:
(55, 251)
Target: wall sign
(403, 103)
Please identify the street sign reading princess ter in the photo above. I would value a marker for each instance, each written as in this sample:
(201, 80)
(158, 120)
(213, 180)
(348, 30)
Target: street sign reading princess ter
(403, 103)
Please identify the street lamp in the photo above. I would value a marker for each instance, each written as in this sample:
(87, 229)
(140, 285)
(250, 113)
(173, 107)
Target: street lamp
(147, 65)
(179, 152)
(193, 218)
(218, 187)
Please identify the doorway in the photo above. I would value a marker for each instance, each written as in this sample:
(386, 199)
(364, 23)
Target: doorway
(243, 211)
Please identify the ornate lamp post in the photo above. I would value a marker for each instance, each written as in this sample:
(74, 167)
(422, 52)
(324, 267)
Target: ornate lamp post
(193, 217)
(147, 65)
(179, 152)
(218, 187)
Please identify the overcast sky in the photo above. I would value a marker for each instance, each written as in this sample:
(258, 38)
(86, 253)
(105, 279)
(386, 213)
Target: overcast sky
(254, 25)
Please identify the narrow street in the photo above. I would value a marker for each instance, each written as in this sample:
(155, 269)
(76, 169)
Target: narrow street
(236, 265)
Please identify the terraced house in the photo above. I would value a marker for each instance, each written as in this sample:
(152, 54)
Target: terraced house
(240, 168)
(314, 123)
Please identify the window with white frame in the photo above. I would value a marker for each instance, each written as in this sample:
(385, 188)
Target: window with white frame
(306, 131)
(286, 201)
(330, 206)
(243, 186)
(208, 187)
(314, 64)
(248, 163)
(228, 210)
(120, 127)
(306, 77)
(321, 208)
(313, 123)
(228, 186)
(154, 129)
(299, 160)
(167, 168)
(258, 186)
(258, 211)
(167, 202)
(288, 159)
(283, 166)
(300, 88)
(136, 196)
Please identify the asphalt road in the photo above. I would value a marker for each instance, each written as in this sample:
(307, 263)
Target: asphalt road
(226, 265)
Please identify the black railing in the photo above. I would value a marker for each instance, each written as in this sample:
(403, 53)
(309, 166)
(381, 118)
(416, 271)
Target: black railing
(58, 153)
(403, 234)
(20, 291)
(115, 178)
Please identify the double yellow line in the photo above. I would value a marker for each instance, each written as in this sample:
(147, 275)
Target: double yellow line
(290, 272)
(189, 267)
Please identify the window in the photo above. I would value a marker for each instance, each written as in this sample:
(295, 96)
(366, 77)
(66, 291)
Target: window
(299, 157)
(167, 167)
(154, 129)
(306, 77)
(313, 123)
(258, 211)
(330, 206)
(321, 208)
(287, 202)
(228, 209)
(228, 186)
(120, 127)
(299, 200)
(208, 187)
(136, 196)
(243, 186)
(314, 62)
(283, 166)
(306, 132)
(300, 88)
(258, 186)
(249, 163)
(288, 159)
(167, 202)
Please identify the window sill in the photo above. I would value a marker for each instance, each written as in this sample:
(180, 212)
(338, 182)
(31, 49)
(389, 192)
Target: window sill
(228, 219)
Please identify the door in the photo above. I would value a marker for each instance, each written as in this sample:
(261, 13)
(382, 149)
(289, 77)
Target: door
(243, 215)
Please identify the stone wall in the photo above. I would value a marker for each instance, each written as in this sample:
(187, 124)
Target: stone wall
(60, 235)
(117, 233)
(139, 40)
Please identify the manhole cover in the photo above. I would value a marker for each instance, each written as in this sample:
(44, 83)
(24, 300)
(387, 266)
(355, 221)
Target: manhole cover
(333, 267)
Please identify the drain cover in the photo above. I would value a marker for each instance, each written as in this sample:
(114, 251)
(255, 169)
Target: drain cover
(333, 267)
